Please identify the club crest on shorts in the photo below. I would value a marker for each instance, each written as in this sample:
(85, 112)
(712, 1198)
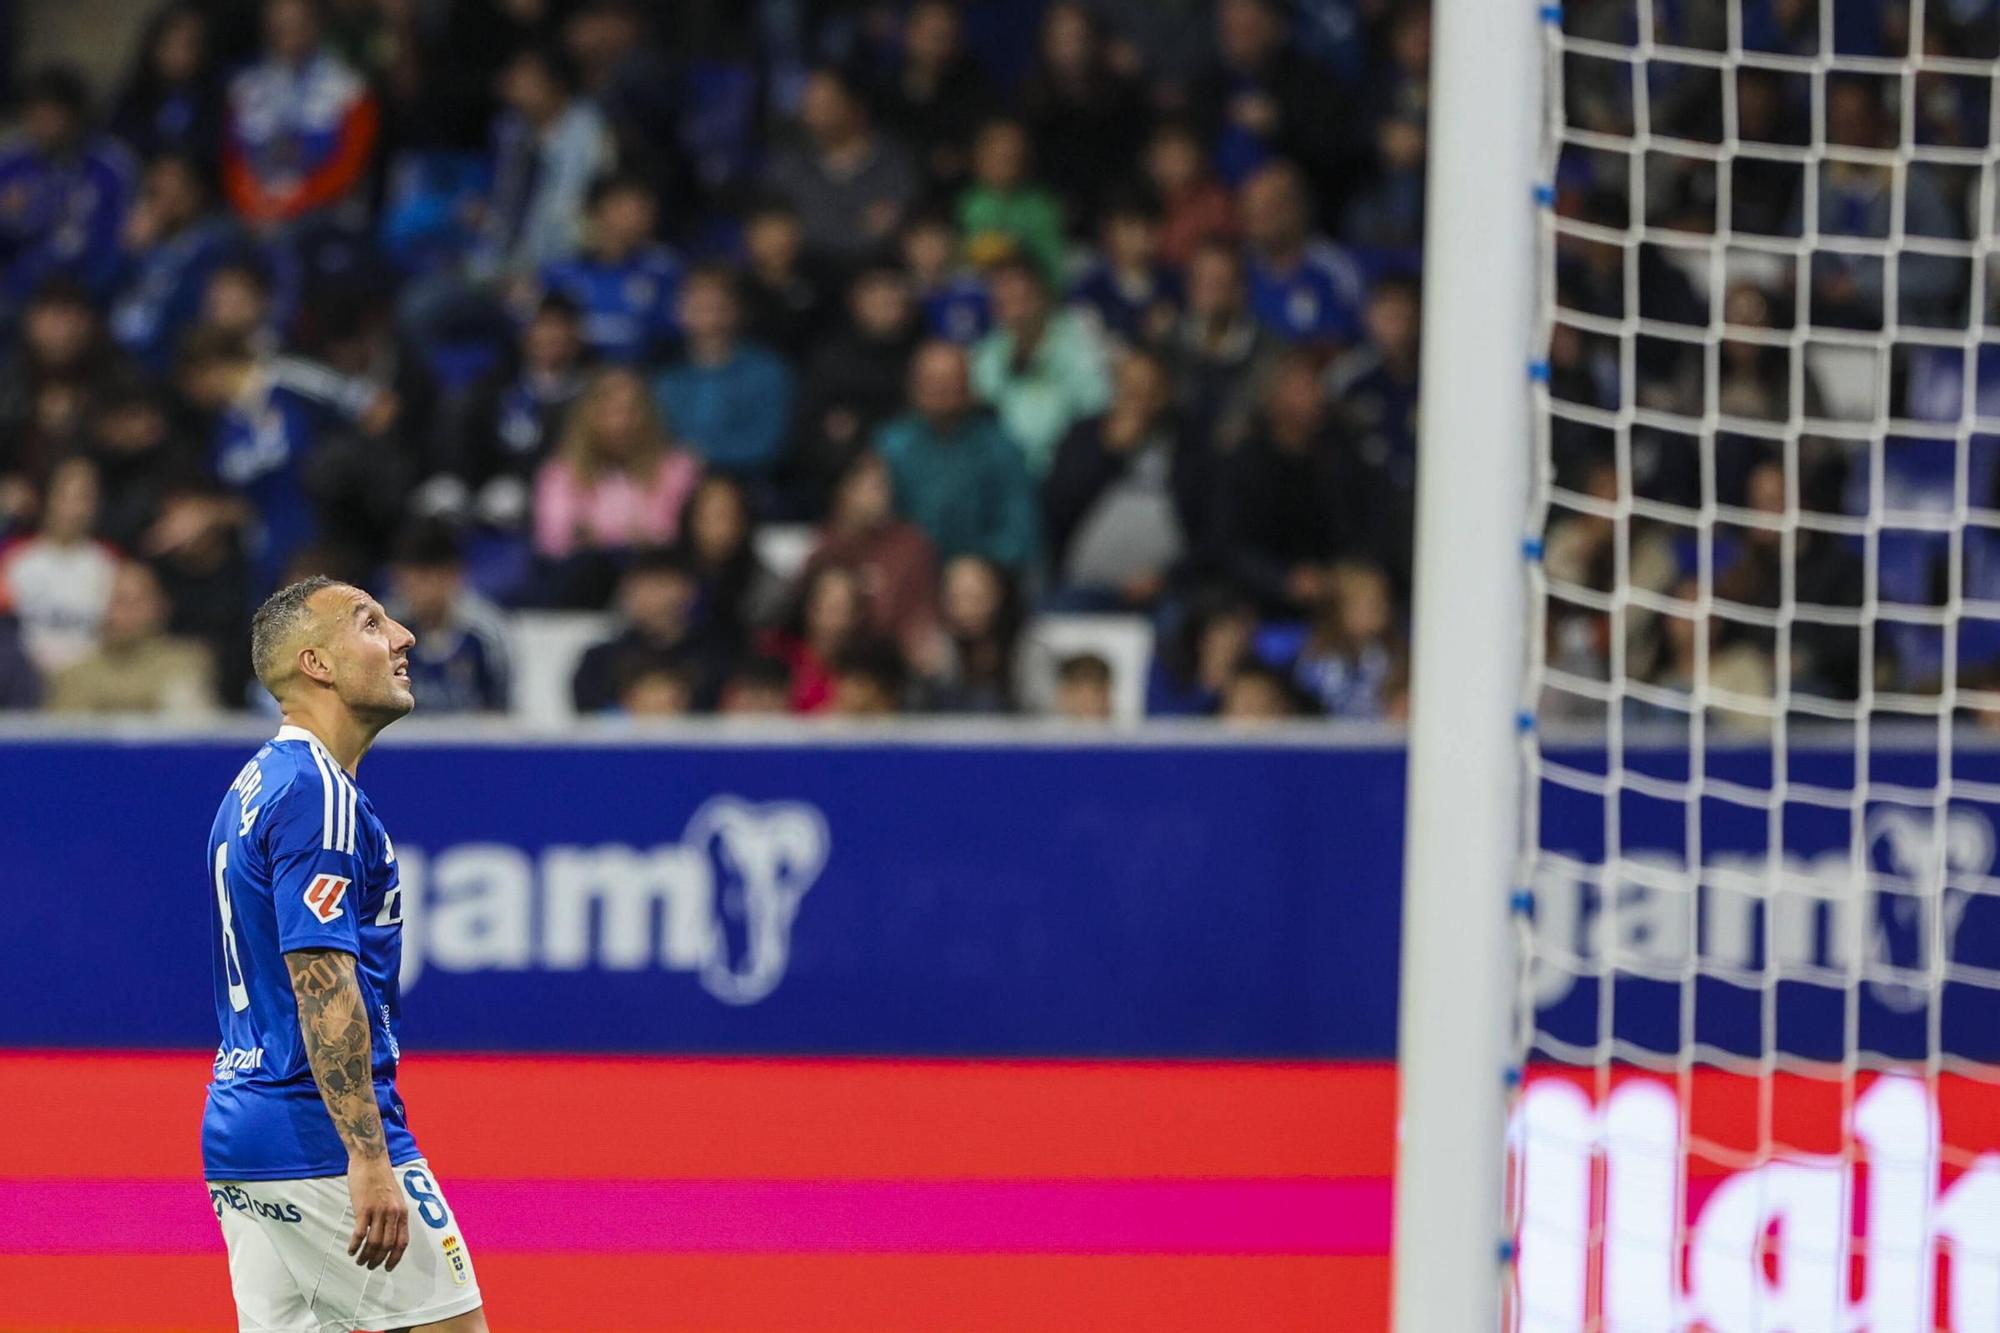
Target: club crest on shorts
(323, 895)
(454, 1255)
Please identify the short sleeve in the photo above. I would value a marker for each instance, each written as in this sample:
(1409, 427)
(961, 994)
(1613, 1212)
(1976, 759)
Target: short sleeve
(312, 839)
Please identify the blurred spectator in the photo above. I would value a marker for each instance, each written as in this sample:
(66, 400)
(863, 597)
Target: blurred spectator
(618, 482)
(1199, 654)
(831, 615)
(501, 431)
(1260, 99)
(1003, 213)
(20, 686)
(1354, 663)
(957, 475)
(868, 680)
(1581, 550)
(1256, 695)
(171, 100)
(63, 193)
(1303, 287)
(1195, 206)
(739, 594)
(59, 580)
(730, 400)
(237, 300)
(855, 381)
(624, 281)
(137, 667)
(980, 614)
(1857, 198)
(1083, 688)
(1823, 572)
(1042, 369)
(278, 428)
(1292, 501)
(657, 689)
(897, 565)
(549, 145)
(1736, 671)
(174, 238)
(1087, 118)
(46, 387)
(656, 600)
(1374, 388)
(459, 663)
(785, 294)
(849, 183)
(626, 74)
(1221, 356)
(1388, 212)
(1117, 498)
(937, 95)
(141, 461)
(953, 298)
(301, 124)
(759, 687)
(1135, 296)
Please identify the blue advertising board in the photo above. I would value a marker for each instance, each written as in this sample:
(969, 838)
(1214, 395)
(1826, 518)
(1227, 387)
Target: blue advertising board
(1137, 899)
(851, 898)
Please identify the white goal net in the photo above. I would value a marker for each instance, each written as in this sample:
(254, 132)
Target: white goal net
(1760, 993)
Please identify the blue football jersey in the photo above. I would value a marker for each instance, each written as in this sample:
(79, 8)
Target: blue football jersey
(296, 860)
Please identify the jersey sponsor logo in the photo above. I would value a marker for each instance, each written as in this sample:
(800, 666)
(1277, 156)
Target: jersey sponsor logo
(236, 1060)
(323, 896)
(454, 1258)
(235, 1197)
(720, 903)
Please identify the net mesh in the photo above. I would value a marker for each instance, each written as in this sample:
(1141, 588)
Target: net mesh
(1758, 1018)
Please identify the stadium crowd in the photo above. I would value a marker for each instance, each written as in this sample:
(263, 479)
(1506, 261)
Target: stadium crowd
(1804, 414)
(1016, 308)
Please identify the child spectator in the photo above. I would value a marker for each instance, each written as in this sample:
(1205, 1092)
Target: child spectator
(626, 283)
(459, 663)
(301, 124)
(957, 475)
(1042, 369)
(1195, 206)
(656, 690)
(1257, 695)
(1135, 296)
(1004, 214)
(656, 600)
(1354, 663)
(953, 298)
(784, 294)
(759, 687)
(831, 616)
(868, 678)
(739, 595)
(137, 667)
(980, 615)
(1199, 654)
(731, 400)
(1083, 688)
(618, 482)
(897, 564)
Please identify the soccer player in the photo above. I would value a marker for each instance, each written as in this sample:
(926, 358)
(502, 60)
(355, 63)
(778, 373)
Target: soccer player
(331, 1214)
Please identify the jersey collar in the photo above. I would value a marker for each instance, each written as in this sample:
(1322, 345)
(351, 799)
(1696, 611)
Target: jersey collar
(288, 732)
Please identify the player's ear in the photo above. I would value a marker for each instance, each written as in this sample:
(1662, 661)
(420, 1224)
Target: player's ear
(315, 665)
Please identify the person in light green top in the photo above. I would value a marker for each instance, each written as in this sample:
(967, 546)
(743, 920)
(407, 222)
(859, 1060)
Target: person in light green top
(1002, 213)
(1041, 369)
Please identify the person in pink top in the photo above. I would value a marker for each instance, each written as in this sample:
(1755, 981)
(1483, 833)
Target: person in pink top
(617, 481)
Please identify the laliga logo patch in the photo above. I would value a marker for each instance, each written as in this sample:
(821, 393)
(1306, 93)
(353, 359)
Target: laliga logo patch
(454, 1255)
(323, 895)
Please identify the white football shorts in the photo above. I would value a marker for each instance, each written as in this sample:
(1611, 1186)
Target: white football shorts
(291, 1273)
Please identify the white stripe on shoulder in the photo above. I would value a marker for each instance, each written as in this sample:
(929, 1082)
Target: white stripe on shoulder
(328, 819)
(352, 798)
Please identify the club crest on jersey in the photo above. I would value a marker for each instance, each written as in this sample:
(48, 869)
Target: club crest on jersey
(454, 1254)
(323, 895)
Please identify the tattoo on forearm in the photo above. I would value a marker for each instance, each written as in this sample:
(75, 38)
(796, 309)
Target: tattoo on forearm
(334, 1023)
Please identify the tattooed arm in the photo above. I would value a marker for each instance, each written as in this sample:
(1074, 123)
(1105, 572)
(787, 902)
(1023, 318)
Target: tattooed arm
(334, 1023)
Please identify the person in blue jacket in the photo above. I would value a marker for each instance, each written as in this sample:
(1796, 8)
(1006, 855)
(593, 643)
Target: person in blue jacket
(63, 193)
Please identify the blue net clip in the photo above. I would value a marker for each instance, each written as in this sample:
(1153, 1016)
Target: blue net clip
(1552, 14)
(1538, 371)
(1545, 195)
(1524, 721)
(1531, 549)
(1521, 902)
